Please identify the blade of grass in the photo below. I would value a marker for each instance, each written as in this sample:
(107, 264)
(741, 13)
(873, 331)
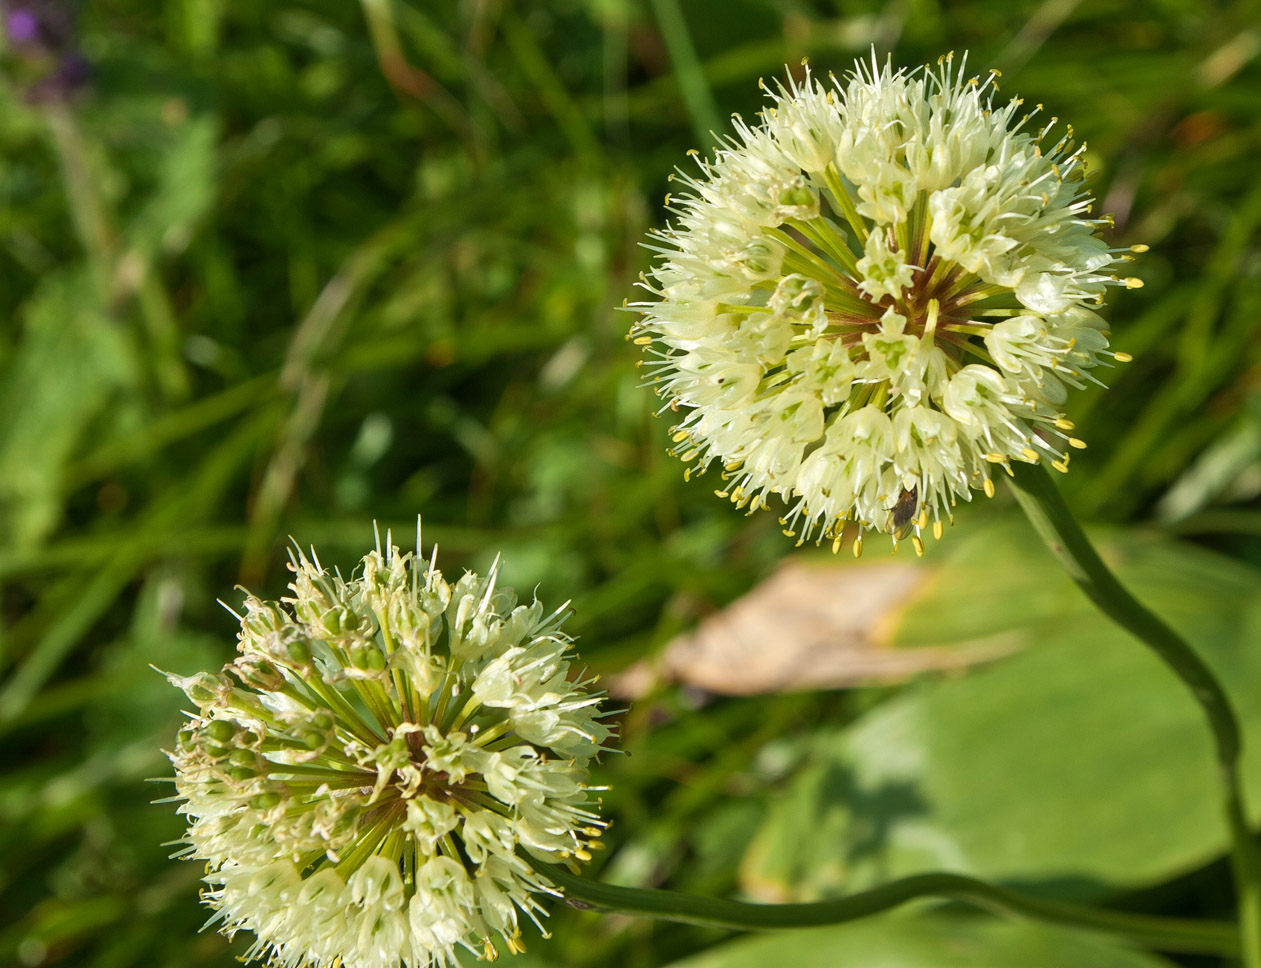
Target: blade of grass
(688, 71)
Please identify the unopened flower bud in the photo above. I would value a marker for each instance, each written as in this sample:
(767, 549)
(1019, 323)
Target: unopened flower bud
(206, 689)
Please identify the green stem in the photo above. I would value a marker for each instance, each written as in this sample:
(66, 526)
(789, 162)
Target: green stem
(1050, 516)
(845, 203)
(1165, 934)
(689, 72)
(822, 233)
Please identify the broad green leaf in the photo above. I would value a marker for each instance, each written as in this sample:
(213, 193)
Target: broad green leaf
(1080, 764)
(924, 942)
(72, 359)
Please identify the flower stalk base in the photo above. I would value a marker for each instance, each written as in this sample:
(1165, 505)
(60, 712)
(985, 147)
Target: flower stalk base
(1051, 518)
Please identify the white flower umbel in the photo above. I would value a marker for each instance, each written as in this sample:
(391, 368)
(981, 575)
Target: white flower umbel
(875, 296)
(362, 779)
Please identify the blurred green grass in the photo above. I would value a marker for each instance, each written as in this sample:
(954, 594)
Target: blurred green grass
(287, 269)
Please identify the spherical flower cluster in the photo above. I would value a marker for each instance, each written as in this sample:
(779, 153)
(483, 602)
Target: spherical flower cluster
(875, 296)
(362, 780)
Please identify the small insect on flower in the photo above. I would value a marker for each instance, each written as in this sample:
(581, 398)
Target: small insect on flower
(361, 781)
(903, 514)
(875, 296)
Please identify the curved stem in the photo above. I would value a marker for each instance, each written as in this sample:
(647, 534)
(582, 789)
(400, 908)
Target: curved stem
(1051, 518)
(1164, 934)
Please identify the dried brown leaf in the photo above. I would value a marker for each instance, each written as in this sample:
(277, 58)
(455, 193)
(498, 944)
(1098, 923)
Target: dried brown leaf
(809, 625)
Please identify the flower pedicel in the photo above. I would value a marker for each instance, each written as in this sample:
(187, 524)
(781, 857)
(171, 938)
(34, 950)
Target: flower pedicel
(361, 779)
(875, 296)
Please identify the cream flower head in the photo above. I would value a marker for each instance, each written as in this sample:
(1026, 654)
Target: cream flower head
(874, 297)
(362, 779)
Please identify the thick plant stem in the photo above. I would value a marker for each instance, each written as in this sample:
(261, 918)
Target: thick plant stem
(1050, 516)
(1164, 934)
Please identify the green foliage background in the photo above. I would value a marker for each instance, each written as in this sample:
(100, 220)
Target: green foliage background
(288, 268)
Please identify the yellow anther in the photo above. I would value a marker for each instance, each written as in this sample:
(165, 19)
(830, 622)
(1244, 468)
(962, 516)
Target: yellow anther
(789, 533)
(1122, 357)
(687, 474)
(937, 530)
(1140, 248)
(723, 494)
(691, 454)
(1030, 455)
(922, 520)
(836, 543)
(1077, 442)
(643, 340)
(858, 546)
(681, 436)
(989, 487)
(1131, 282)
(1064, 423)
(1060, 465)
(996, 458)
(918, 542)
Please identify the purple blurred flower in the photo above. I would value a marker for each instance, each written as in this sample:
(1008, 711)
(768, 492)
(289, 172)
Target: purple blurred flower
(22, 26)
(42, 35)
